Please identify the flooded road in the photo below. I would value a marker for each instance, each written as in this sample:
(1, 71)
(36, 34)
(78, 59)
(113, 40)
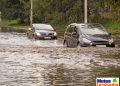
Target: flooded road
(17, 39)
(25, 62)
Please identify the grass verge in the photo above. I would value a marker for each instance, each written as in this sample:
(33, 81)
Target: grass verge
(111, 26)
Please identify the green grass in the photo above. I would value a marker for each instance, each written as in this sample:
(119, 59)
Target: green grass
(9, 22)
(22, 26)
(60, 28)
(14, 23)
(111, 26)
(14, 26)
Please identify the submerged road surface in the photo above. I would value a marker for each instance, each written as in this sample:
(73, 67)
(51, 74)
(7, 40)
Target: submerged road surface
(17, 39)
(25, 62)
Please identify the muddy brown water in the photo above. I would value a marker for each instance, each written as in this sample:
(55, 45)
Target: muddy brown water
(55, 67)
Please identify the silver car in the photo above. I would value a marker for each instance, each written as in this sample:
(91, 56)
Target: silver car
(80, 34)
(41, 31)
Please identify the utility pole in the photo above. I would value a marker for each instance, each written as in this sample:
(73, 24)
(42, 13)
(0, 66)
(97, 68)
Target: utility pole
(31, 12)
(0, 19)
(0, 16)
(85, 12)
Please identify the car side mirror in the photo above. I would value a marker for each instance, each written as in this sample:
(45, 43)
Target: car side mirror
(74, 34)
(54, 29)
(110, 34)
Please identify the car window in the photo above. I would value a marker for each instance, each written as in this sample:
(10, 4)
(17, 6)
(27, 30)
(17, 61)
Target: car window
(75, 29)
(70, 29)
(42, 27)
(92, 29)
(32, 28)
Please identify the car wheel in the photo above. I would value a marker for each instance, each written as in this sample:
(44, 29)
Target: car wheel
(112, 45)
(34, 36)
(78, 45)
(28, 35)
(65, 44)
(107, 45)
(94, 45)
(82, 45)
(55, 38)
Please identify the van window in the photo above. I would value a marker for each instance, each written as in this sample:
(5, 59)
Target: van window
(71, 29)
(92, 29)
(74, 29)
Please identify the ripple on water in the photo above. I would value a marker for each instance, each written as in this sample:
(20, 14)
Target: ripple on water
(39, 69)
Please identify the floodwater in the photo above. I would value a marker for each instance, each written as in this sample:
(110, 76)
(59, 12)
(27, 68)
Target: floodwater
(52, 68)
(17, 39)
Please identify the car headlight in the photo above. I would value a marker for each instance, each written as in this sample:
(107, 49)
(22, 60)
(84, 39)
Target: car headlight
(55, 34)
(111, 41)
(38, 34)
(86, 40)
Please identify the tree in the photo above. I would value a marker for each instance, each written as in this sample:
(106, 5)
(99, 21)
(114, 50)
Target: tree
(14, 10)
(58, 11)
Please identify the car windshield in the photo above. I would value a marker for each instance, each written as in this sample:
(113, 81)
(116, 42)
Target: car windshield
(42, 27)
(92, 29)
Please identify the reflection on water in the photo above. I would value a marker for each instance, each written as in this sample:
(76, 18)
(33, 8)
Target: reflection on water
(18, 40)
(62, 76)
(47, 43)
(38, 69)
(52, 68)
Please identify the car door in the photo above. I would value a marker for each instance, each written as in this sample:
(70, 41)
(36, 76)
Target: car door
(80, 36)
(32, 32)
(74, 36)
(68, 35)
